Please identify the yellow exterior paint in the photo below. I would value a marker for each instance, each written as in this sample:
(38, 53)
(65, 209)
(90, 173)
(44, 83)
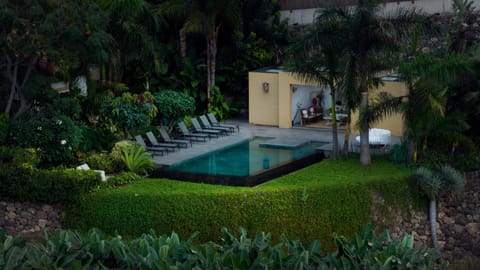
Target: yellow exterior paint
(394, 122)
(263, 106)
(274, 107)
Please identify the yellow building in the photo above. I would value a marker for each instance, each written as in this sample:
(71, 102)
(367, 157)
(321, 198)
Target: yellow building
(276, 98)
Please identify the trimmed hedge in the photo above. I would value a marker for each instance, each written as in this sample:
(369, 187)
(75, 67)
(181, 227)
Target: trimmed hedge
(331, 196)
(49, 186)
(21, 180)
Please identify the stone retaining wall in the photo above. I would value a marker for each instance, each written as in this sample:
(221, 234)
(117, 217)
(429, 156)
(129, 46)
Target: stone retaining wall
(28, 217)
(458, 220)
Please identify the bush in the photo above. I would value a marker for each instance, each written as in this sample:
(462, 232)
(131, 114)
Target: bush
(121, 180)
(56, 139)
(70, 250)
(308, 204)
(49, 186)
(174, 105)
(104, 162)
(117, 149)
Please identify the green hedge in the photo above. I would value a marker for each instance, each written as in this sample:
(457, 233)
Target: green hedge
(331, 196)
(49, 186)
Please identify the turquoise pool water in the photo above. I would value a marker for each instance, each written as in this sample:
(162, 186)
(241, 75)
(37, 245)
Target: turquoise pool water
(248, 158)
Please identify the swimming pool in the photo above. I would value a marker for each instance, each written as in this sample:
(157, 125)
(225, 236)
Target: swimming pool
(248, 163)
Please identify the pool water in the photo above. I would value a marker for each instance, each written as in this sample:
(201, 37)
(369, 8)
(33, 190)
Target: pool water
(250, 158)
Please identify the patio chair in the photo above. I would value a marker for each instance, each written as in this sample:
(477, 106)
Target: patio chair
(166, 138)
(307, 117)
(154, 142)
(198, 129)
(207, 125)
(152, 149)
(187, 134)
(215, 123)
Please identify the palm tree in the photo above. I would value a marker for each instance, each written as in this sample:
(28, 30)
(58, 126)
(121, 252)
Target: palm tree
(426, 77)
(443, 180)
(205, 18)
(463, 10)
(366, 33)
(316, 57)
(133, 23)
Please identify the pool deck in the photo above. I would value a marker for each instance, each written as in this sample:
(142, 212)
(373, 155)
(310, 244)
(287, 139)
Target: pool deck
(283, 137)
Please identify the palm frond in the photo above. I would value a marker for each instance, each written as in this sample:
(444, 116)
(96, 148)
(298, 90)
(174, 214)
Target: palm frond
(384, 106)
(430, 183)
(453, 179)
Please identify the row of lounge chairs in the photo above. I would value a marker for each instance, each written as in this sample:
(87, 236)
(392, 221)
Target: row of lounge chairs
(211, 129)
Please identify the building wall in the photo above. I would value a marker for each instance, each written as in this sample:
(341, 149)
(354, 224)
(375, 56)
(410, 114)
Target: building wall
(306, 16)
(263, 106)
(394, 122)
(274, 107)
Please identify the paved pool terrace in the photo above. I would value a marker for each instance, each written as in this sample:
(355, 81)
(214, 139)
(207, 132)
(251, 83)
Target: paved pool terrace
(283, 137)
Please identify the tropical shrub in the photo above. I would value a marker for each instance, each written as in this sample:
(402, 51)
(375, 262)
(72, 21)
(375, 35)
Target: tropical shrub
(399, 153)
(137, 160)
(130, 112)
(116, 153)
(19, 157)
(56, 139)
(104, 162)
(218, 105)
(70, 250)
(173, 105)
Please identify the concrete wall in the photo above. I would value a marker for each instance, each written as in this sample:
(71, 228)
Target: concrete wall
(394, 123)
(306, 16)
(263, 106)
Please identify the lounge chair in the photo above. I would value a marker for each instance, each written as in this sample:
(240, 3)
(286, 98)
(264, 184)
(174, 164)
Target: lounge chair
(152, 149)
(187, 134)
(197, 128)
(207, 125)
(166, 138)
(215, 123)
(153, 140)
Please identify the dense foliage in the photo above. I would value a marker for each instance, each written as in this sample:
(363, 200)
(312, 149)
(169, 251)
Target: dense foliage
(21, 180)
(173, 105)
(68, 249)
(130, 112)
(307, 204)
(56, 139)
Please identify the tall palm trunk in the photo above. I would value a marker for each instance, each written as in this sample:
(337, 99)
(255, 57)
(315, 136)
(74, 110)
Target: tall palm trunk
(411, 151)
(335, 153)
(211, 61)
(365, 158)
(432, 209)
(183, 44)
(346, 139)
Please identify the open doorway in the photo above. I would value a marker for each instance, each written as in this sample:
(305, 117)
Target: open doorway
(307, 97)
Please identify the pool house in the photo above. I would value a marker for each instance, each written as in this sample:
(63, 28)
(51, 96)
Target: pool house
(278, 98)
